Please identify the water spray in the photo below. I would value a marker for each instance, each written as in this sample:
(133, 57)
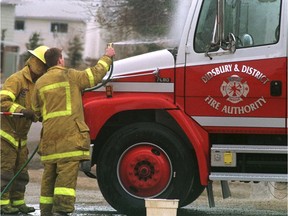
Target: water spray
(145, 42)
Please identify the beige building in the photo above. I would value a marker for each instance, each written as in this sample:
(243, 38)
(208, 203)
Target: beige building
(57, 22)
(9, 48)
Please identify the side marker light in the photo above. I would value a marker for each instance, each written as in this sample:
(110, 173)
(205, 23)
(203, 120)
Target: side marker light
(109, 91)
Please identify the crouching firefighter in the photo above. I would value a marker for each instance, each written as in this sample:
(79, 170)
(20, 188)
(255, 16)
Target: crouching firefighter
(15, 97)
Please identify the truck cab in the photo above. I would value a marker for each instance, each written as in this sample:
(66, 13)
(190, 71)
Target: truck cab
(170, 122)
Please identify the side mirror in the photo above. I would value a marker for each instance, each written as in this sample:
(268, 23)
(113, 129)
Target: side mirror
(231, 43)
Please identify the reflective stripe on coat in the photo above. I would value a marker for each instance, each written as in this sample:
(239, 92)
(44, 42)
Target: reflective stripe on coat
(15, 96)
(58, 100)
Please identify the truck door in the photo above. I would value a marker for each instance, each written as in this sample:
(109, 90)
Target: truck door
(236, 65)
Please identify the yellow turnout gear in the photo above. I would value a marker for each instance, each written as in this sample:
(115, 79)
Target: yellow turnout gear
(58, 101)
(65, 139)
(15, 96)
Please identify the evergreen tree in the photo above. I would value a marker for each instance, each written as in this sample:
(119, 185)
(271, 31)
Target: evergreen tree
(75, 52)
(34, 41)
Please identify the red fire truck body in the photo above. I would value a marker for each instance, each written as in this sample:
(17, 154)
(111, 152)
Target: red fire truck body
(215, 108)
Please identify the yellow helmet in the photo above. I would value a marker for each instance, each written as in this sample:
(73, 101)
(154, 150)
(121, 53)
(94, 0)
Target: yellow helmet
(39, 52)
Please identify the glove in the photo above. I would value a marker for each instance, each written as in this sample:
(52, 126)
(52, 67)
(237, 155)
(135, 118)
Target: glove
(85, 166)
(28, 114)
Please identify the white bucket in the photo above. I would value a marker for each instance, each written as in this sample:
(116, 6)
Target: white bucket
(161, 207)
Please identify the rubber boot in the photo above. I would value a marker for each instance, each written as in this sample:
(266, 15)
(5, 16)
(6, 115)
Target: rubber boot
(26, 209)
(8, 209)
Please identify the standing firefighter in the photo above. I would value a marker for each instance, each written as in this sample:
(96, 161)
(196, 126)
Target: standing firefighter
(16, 97)
(65, 137)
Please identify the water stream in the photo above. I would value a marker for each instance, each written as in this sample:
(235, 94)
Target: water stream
(177, 25)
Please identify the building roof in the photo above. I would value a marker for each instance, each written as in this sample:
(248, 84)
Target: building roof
(52, 10)
(12, 2)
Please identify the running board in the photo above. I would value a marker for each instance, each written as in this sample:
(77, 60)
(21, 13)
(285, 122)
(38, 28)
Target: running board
(259, 149)
(215, 176)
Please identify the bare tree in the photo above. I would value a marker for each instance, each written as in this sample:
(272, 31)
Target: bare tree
(129, 18)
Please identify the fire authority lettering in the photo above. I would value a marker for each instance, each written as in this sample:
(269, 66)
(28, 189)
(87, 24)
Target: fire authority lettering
(233, 110)
(212, 102)
(244, 109)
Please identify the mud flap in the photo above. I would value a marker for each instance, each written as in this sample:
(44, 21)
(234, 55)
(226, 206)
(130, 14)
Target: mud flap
(210, 194)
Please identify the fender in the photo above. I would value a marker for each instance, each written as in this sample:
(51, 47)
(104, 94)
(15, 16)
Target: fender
(102, 109)
(97, 111)
(198, 138)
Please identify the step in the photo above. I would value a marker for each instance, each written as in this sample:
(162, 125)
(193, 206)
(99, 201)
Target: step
(248, 177)
(250, 149)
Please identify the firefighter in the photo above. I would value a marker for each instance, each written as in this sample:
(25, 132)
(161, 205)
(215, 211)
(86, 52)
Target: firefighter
(65, 140)
(15, 96)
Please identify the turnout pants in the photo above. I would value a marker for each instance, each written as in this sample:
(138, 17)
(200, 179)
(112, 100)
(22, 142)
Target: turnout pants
(12, 160)
(58, 187)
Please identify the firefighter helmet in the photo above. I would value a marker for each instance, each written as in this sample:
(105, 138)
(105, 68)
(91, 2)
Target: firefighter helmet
(39, 52)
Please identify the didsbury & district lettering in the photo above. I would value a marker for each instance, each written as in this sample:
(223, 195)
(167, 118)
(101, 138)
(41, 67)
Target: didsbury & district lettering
(228, 68)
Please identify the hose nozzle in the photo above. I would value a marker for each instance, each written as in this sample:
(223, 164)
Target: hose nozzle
(109, 45)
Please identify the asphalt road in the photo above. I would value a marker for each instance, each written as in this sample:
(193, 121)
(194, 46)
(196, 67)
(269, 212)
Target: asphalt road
(248, 199)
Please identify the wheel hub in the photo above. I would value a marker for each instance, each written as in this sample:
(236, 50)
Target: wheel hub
(144, 170)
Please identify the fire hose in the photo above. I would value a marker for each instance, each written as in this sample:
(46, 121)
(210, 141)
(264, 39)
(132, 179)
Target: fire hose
(18, 172)
(11, 113)
(108, 78)
(23, 166)
(86, 165)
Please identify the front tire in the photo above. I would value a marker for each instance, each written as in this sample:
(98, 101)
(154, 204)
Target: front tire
(145, 160)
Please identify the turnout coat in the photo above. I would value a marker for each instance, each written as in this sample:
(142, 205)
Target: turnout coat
(58, 101)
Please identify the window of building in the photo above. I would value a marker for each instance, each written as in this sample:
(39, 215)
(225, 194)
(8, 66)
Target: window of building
(19, 25)
(59, 27)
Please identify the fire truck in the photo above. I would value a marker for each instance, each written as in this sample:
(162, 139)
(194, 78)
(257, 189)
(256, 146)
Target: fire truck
(170, 122)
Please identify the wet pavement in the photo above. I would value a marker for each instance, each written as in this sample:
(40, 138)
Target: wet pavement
(263, 199)
(104, 210)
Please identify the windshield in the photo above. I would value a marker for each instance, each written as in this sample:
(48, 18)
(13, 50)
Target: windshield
(253, 22)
